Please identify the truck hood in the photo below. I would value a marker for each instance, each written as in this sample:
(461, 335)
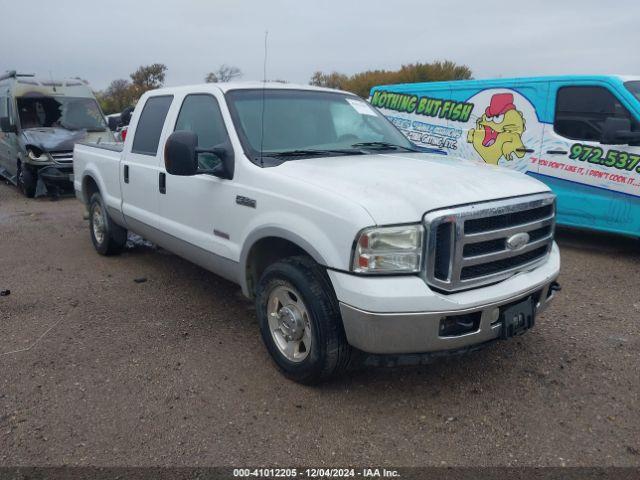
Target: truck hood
(401, 188)
(60, 139)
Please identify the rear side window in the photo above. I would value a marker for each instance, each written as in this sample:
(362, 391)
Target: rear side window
(150, 125)
(581, 112)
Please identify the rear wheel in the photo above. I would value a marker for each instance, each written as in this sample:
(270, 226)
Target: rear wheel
(27, 180)
(300, 321)
(108, 238)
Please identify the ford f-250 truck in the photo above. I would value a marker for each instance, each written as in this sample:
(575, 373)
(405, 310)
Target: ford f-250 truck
(348, 239)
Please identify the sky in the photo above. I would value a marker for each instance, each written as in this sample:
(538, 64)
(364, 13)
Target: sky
(107, 40)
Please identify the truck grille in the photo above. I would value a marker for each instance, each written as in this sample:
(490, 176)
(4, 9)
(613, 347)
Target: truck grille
(63, 157)
(484, 243)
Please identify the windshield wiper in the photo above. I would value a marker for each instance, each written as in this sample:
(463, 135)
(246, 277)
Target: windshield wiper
(293, 153)
(304, 153)
(382, 146)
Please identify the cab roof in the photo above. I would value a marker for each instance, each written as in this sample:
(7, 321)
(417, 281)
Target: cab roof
(228, 86)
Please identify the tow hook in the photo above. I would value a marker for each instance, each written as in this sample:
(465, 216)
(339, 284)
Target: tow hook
(555, 287)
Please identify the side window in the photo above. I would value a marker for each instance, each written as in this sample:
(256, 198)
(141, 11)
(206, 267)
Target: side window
(150, 125)
(5, 109)
(200, 114)
(581, 112)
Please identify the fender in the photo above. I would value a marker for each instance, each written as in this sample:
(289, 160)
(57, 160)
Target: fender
(279, 232)
(114, 204)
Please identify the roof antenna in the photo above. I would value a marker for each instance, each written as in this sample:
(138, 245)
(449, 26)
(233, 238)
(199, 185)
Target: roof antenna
(264, 83)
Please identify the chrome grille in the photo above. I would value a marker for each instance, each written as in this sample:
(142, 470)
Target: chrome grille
(468, 246)
(63, 157)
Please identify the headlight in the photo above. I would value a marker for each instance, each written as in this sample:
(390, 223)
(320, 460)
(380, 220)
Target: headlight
(39, 156)
(388, 250)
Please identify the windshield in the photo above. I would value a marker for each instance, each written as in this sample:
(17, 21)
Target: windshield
(634, 88)
(304, 121)
(71, 113)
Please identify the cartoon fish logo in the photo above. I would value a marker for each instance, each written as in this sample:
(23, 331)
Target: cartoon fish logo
(498, 132)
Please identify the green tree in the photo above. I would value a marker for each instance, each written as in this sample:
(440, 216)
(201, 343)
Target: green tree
(329, 80)
(361, 83)
(117, 96)
(148, 77)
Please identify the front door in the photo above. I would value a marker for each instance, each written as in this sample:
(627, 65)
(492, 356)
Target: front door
(598, 186)
(198, 209)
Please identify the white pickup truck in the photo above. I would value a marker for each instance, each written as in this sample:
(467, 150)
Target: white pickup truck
(348, 239)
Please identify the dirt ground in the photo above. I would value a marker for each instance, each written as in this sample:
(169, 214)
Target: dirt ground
(96, 369)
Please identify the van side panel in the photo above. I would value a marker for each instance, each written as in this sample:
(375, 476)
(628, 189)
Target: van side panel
(422, 117)
(511, 124)
(583, 206)
(487, 121)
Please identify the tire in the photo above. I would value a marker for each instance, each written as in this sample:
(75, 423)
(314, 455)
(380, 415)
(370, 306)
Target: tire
(107, 237)
(300, 291)
(27, 180)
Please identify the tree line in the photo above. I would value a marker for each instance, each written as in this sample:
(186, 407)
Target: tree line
(122, 93)
(361, 83)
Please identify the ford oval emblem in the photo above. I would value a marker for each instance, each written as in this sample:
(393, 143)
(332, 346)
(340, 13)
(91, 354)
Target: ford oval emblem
(518, 241)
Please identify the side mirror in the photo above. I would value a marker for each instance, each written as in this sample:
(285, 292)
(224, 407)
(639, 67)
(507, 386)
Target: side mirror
(6, 127)
(617, 131)
(181, 156)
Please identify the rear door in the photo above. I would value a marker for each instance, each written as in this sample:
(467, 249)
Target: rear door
(140, 166)
(598, 186)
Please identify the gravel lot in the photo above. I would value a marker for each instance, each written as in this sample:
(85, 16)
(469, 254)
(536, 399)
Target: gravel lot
(172, 371)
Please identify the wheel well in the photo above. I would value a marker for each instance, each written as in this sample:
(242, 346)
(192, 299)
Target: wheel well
(263, 253)
(89, 187)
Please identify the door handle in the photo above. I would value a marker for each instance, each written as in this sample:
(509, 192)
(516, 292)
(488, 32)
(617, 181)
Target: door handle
(126, 174)
(525, 150)
(162, 182)
(557, 152)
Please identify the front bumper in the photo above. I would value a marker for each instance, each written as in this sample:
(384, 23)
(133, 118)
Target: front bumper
(389, 333)
(54, 175)
(384, 331)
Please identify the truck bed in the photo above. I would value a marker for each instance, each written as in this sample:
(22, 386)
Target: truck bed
(112, 146)
(101, 163)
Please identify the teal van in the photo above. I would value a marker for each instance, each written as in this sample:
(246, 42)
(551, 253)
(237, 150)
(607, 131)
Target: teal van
(578, 134)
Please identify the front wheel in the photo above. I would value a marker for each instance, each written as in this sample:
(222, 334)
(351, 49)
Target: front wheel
(300, 321)
(107, 237)
(27, 180)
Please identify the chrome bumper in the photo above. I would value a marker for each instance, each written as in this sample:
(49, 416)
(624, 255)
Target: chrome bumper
(418, 332)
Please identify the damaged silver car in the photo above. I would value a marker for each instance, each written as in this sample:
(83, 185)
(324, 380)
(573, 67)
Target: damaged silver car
(40, 121)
